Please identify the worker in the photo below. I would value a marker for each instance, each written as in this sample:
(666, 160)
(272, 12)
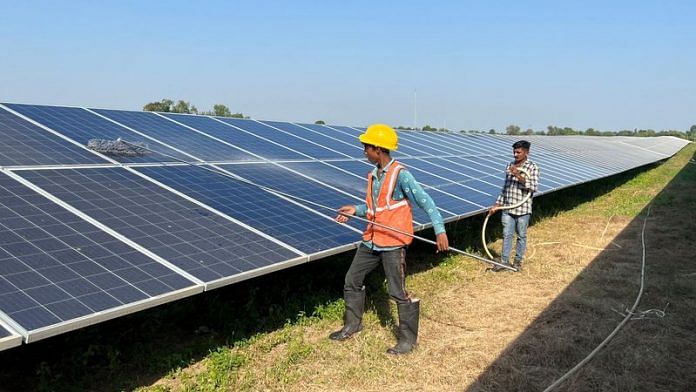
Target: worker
(391, 191)
(516, 220)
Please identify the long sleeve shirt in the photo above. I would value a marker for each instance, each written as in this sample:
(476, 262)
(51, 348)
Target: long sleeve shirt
(514, 191)
(406, 188)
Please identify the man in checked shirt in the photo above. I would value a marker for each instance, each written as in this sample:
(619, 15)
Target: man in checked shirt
(515, 189)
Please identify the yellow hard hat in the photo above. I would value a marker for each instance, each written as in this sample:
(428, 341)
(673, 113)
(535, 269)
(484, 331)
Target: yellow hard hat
(380, 135)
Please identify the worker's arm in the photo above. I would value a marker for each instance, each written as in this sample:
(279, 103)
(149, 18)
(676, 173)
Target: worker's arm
(412, 190)
(531, 181)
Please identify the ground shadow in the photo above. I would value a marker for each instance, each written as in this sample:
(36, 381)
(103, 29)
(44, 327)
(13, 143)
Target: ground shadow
(658, 354)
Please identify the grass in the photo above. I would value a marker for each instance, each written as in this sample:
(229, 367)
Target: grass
(479, 331)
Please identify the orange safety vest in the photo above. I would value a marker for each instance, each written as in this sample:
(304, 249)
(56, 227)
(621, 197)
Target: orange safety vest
(388, 212)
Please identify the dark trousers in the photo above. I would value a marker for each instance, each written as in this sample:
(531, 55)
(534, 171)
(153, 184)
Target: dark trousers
(394, 264)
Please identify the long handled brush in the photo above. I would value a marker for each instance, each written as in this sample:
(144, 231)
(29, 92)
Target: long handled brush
(118, 147)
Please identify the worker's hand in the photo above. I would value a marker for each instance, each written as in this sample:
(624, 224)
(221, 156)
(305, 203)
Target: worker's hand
(442, 242)
(494, 208)
(512, 169)
(344, 213)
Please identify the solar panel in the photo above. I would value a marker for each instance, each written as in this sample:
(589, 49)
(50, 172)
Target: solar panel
(57, 270)
(80, 125)
(86, 237)
(351, 150)
(198, 241)
(278, 178)
(24, 143)
(266, 149)
(176, 135)
(305, 230)
(289, 140)
(327, 173)
(350, 137)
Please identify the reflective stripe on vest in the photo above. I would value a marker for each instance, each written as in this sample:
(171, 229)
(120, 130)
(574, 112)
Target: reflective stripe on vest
(389, 212)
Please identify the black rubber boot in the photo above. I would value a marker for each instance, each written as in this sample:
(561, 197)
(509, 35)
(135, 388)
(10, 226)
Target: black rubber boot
(352, 318)
(408, 328)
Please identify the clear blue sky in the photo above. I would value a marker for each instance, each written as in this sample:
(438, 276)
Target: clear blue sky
(610, 65)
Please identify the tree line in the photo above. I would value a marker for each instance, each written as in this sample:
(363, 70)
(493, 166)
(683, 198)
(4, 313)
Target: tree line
(169, 106)
(553, 130)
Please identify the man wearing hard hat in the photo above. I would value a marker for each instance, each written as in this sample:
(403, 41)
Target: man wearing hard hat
(391, 190)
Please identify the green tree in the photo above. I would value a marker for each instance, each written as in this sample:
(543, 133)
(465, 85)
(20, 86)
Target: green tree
(691, 135)
(221, 110)
(512, 130)
(320, 122)
(529, 131)
(429, 128)
(165, 105)
(492, 131)
(184, 107)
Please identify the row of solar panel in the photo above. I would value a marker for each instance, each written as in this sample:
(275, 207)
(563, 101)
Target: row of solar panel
(79, 245)
(206, 138)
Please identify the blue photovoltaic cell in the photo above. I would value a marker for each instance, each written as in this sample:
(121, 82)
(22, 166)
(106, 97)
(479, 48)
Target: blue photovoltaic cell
(420, 146)
(232, 135)
(470, 173)
(453, 173)
(55, 267)
(348, 130)
(479, 168)
(287, 140)
(324, 172)
(332, 132)
(349, 135)
(359, 167)
(194, 239)
(82, 126)
(340, 149)
(288, 222)
(23, 143)
(193, 143)
(283, 180)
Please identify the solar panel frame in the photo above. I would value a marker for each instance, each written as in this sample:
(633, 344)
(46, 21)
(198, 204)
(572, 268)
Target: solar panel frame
(9, 338)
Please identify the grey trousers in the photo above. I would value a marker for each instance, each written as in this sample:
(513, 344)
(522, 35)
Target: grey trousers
(394, 264)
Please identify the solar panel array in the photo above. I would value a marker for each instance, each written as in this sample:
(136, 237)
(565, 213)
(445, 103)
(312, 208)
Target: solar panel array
(85, 237)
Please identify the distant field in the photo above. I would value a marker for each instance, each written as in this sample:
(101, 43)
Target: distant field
(480, 331)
